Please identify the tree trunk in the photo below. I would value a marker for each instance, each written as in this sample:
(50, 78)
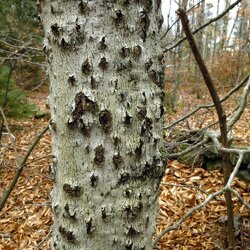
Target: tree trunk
(243, 37)
(216, 29)
(177, 62)
(106, 77)
(224, 28)
(200, 21)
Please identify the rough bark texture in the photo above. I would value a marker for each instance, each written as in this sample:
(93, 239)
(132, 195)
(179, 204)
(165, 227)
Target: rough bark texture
(106, 95)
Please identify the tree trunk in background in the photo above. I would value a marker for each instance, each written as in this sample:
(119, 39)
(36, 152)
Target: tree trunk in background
(106, 78)
(243, 36)
(235, 21)
(178, 60)
(216, 29)
(224, 27)
(199, 39)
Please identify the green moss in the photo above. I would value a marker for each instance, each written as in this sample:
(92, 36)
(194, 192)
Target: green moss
(190, 158)
(234, 157)
(214, 165)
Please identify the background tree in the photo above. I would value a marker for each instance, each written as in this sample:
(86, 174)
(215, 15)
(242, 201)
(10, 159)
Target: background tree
(199, 38)
(20, 57)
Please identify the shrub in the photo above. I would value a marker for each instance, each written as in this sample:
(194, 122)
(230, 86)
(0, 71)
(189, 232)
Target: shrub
(13, 100)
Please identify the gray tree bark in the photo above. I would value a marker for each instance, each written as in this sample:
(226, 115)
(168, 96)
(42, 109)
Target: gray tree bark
(106, 75)
(243, 36)
(215, 35)
(200, 44)
(224, 28)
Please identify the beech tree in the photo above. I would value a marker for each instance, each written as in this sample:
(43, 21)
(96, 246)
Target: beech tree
(106, 74)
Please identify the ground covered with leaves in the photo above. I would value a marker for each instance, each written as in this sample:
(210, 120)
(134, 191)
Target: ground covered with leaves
(25, 221)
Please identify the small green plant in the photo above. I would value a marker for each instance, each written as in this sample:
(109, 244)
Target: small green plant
(13, 100)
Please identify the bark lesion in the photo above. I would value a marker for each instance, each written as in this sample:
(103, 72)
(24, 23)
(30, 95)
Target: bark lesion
(127, 119)
(83, 105)
(102, 45)
(69, 212)
(131, 230)
(93, 179)
(89, 225)
(124, 51)
(83, 7)
(144, 23)
(105, 120)
(103, 64)
(55, 29)
(86, 67)
(67, 234)
(99, 157)
(119, 18)
(74, 191)
(71, 80)
(139, 149)
(157, 76)
(67, 36)
(117, 160)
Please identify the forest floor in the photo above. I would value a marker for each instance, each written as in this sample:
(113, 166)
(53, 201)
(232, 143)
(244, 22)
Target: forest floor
(25, 221)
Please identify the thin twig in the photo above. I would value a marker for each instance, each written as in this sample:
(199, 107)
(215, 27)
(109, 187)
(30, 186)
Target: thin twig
(221, 117)
(20, 168)
(184, 186)
(178, 19)
(189, 149)
(12, 137)
(246, 204)
(176, 225)
(243, 102)
(204, 25)
(236, 88)
(44, 239)
(37, 159)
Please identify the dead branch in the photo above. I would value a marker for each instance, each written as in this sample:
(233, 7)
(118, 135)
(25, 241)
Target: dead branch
(44, 239)
(203, 204)
(178, 19)
(246, 204)
(204, 25)
(221, 117)
(243, 102)
(210, 105)
(189, 149)
(11, 136)
(184, 186)
(20, 168)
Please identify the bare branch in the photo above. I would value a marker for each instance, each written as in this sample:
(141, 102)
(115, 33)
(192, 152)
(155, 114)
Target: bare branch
(178, 19)
(221, 117)
(204, 25)
(235, 150)
(184, 186)
(232, 91)
(243, 102)
(189, 149)
(246, 204)
(11, 136)
(20, 168)
(44, 239)
(202, 205)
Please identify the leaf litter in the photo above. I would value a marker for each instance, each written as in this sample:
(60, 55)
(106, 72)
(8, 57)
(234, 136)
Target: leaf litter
(26, 219)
